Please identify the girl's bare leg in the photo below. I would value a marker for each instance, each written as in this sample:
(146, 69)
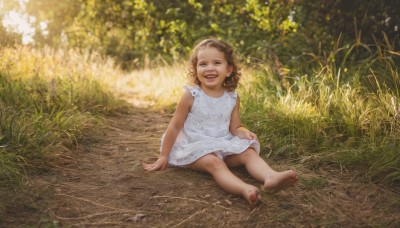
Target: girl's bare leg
(225, 178)
(261, 171)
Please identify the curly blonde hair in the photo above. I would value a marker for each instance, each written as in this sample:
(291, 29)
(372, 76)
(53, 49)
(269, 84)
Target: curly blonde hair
(231, 82)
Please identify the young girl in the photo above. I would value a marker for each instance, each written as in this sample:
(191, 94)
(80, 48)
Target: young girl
(205, 132)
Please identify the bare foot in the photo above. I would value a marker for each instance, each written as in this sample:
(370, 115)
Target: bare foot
(280, 181)
(252, 195)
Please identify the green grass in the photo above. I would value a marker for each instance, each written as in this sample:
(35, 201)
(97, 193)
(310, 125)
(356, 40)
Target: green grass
(353, 122)
(49, 102)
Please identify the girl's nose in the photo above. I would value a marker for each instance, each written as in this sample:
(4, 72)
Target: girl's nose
(209, 68)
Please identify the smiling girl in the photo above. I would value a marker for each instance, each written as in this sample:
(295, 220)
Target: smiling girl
(205, 132)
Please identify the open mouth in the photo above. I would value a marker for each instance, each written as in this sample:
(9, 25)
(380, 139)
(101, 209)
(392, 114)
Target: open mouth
(210, 76)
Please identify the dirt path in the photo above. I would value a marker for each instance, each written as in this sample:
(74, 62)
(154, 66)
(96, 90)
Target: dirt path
(104, 185)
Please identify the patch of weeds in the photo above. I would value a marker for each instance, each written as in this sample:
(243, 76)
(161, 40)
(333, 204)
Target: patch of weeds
(281, 217)
(51, 224)
(314, 183)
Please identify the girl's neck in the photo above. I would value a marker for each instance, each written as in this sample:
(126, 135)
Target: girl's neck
(213, 92)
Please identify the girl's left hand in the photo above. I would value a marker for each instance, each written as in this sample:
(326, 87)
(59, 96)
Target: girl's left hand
(249, 135)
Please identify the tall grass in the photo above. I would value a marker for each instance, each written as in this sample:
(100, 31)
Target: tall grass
(345, 113)
(49, 101)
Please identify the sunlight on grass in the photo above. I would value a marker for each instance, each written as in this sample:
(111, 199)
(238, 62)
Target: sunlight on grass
(159, 87)
(49, 102)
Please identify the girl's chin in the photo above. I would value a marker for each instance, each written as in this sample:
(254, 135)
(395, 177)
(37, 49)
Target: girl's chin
(211, 84)
(211, 81)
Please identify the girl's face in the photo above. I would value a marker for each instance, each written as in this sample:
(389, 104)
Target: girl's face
(212, 68)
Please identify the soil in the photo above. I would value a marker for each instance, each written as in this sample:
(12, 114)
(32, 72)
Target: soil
(103, 184)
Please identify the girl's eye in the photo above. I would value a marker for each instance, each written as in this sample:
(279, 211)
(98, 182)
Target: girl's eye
(202, 64)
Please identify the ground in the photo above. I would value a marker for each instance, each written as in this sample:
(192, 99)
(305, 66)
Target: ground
(103, 184)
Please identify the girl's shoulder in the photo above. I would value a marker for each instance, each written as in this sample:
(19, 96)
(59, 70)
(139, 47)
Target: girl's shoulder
(232, 94)
(194, 90)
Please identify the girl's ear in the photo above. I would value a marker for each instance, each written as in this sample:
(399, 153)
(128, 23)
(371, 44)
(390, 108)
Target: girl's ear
(230, 70)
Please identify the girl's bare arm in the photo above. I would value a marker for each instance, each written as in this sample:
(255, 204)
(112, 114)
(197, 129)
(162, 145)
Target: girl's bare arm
(236, 127)
(182, 109)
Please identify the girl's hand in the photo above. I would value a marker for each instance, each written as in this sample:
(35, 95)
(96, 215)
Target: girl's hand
(246, 134)
(160, 164)
(250, 135)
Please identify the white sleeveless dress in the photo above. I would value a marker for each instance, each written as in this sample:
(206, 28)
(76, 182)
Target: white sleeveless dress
(206, 130)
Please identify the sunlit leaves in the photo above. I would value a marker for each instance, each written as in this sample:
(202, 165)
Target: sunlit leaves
(134, 30)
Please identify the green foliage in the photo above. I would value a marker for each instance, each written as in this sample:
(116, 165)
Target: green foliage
(345, 34)
(357, 21)
(145, 33)
(141, 33)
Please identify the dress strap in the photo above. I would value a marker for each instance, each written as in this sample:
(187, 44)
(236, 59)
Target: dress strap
(194, 90)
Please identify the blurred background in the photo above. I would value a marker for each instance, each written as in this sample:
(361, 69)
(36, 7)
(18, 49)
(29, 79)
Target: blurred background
(140, 33)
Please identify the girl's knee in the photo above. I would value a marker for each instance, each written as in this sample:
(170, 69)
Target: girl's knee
(242, 158)
(213, 163)
(249, 152)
